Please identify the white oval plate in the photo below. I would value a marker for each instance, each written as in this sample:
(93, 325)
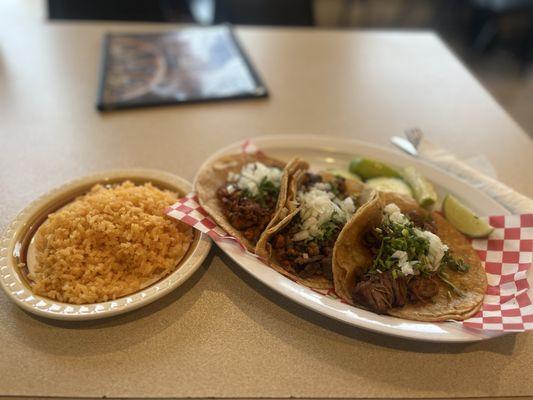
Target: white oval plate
(327, 152)
(27, 221)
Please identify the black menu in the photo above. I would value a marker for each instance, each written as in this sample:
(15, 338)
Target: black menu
(187, 65)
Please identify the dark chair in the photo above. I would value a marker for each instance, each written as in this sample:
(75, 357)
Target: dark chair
(250, 12)
(487, 26)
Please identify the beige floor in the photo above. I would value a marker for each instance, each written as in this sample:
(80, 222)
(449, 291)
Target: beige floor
(499, 72)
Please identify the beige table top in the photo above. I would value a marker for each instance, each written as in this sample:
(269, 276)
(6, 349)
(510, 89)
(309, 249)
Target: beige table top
(223, 334)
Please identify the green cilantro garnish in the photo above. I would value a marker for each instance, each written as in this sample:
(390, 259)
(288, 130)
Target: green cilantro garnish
(264, 189)
(456, 264)
(328, 229)
(393, 237)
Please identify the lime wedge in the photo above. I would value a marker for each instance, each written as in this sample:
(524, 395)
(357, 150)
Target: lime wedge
(344, 174)
(385, 184)
(423, 190)
(463, 219)
(367, 168)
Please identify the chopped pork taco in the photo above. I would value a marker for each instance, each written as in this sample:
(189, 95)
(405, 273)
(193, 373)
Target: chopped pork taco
(240, 192)
(299, 240)
(396, 258)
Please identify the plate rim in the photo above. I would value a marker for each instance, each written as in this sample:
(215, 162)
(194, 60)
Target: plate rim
(22, 296)
(315, 142)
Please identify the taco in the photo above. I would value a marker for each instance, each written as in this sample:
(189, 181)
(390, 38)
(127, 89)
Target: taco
(240, 192)
(397, 258)
(299, 240)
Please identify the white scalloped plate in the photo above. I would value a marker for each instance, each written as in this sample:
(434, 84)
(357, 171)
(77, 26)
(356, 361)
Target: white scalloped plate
(328, 152)
(16, 238)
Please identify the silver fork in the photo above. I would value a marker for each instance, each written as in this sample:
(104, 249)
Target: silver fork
(410, 143)
(414, 135)
(516, 202)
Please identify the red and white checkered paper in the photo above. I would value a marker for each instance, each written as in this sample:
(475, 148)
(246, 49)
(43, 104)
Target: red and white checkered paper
(188, 209)
(506, 256)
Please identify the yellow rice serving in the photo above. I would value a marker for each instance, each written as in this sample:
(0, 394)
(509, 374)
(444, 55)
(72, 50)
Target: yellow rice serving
(107, 244)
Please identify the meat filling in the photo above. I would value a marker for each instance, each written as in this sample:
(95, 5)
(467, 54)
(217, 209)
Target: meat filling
(245, 214)
(381, 292)
(422, 219)
(308, 258)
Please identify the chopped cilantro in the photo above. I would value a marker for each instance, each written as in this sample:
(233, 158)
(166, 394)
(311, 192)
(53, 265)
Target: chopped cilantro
(328, 229)
(393, 237)
(264, 188)
(456, 264)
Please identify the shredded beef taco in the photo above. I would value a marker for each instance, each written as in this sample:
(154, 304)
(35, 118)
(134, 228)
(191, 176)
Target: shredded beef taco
(396, 258)
(240, 192)
(299, 240)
